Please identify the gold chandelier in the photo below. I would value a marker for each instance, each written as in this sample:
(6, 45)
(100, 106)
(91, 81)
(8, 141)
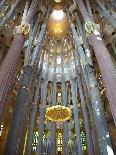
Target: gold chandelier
(58, 113)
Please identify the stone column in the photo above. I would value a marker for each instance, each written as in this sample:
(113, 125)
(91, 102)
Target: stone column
(107, 14)
(85, 83)
(50, 94)
(104, 60)
(22, 98)
(22, 102)
(34, 110)
(54, 89)
(43, 108)
(53, 124)
(81, 92)
(87, 2)
(9, 66)
(113, 2)
(74, 93)
(92, 122)
(86, 117)
(42, 117)
(76, 118)
(30, 41)
(40, 39)
(9, 14)
(2, 3)
(64, 99)
(97, 105)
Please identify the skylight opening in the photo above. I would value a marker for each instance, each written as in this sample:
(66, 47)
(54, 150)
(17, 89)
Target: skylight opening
(58, 14)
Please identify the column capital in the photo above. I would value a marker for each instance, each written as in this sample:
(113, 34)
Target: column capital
(89, 26)
(24, 29)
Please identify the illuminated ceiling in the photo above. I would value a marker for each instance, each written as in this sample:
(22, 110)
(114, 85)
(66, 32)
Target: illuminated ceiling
(58, 24)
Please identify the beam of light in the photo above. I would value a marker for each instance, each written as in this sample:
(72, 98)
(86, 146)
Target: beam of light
(110, 151)
(57, 1)
(58, 14)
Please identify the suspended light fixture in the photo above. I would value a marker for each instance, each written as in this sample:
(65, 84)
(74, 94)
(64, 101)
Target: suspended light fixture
(58, 113)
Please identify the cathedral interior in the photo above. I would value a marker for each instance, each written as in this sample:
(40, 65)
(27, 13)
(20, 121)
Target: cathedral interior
(57, 77)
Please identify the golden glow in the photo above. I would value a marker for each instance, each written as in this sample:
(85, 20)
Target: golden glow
(58, 29)
(58, 24)
(25, 28)
(58, 113)
(59, 94)
(58, 60)
(58, 15)
(59, 142)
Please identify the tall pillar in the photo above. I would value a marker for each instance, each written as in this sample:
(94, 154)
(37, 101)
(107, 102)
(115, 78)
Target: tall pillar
(76, 118)
(2, 3)
(22, 103)
(107, 68)
(42, 117)
(113, 2)
(88, 102)
(9, 66)
(107, 14)
(9, 14)
(86, 117)
(96, 100)
(54, 89)
(34, 110)
(30, 41)
(43, 107)
(81, 92)
(74, 93)
(89, 9)
(22, 99)
(85, 82)
(50, 94)
(64, 99)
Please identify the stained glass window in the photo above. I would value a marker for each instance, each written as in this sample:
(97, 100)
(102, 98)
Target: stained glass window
(35, 140)
(83, 141)
(59, 142)
(1, 129)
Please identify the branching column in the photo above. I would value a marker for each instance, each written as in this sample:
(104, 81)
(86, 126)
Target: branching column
(42, 117)
(34, 110)
(86, 117)
(2, 3)
(30, 41)
(97, 105)
(74, 93)
(64, 99)
(107, 14)
(76, 118)
(88, 102)
(54, 89)
(9, 14)
(9, 66)
(104, 60)
(22, 101)
(43, 108)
